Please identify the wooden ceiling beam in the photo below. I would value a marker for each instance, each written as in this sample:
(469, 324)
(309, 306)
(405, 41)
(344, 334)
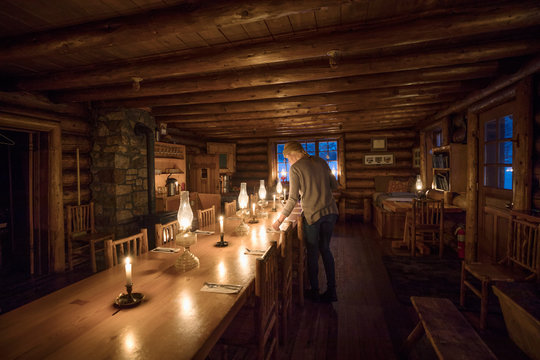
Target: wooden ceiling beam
(411, 77)
(153, 25)
(318, 98)
(179, 119)
(319, 70)
(266, 105)
(464, 22)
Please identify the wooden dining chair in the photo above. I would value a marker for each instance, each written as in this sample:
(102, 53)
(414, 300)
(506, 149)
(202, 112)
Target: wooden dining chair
(206, 217)
(426, 225)
(81, 234)
(263, 315)
(230, 208)
(521, 263)
(133, 245)
(285, 279)
(165, 232)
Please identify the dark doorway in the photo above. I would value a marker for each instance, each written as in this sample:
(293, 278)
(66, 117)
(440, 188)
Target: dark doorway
(23, 205)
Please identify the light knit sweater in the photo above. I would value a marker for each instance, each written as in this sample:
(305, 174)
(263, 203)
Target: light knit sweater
(311, 178)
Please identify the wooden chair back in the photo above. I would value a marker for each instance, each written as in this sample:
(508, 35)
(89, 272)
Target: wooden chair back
(230, 208)
(207, 217)
(524, 246)
(266, 295)
(134, 245)
(285, 264)
(80, 219)
(165, 232)
(427, 218)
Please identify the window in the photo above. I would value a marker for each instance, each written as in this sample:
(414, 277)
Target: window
(325, 149)
(498, 153)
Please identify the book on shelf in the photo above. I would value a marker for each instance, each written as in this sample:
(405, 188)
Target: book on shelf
(441, 182)
(440, 161)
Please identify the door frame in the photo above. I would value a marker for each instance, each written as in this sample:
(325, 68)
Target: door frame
(55, 206)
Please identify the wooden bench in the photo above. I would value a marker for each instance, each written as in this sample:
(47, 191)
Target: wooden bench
(451, 336)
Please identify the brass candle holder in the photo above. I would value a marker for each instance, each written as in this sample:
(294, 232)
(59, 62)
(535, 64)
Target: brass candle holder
(130, 299)
(221, 243)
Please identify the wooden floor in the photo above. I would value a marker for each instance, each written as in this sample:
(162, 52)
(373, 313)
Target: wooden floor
(367, 322)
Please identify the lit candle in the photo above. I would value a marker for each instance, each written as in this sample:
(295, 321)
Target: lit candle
(284, 194)
(253, 207)
(221, 224)
(128, 271)
(274, 201)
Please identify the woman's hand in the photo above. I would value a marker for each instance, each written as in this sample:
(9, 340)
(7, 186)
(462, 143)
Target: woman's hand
(276, 225)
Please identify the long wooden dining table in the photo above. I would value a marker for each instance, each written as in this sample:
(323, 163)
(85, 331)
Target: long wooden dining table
(175, 319)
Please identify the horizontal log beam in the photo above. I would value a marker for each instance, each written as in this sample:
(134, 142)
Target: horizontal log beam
(256, 88)
(462, 23)
(186, 18)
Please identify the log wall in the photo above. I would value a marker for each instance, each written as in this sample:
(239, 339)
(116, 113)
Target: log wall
(536, 150)
(360, 178)
(251, 163)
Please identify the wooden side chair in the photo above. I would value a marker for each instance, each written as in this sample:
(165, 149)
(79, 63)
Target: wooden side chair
(521, 263)
(81, 234)
(165, 232)
(287, 237)
(230, 208)
(299, 261)
(206, 217)
(264, 315)
(133, 245)
(426, 225)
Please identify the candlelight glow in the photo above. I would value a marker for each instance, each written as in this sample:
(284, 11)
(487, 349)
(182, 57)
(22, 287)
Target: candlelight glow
(419, 184)
(262, 191)
(129, 342)
(243, 197)
(279, 187)
(185, 214)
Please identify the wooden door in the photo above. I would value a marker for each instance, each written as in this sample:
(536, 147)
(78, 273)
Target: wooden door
(204, 174)
(495, 162)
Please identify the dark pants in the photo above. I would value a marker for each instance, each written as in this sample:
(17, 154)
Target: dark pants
(317, 237)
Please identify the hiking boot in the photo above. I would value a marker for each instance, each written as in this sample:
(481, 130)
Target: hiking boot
(312, 295)
(328, 296)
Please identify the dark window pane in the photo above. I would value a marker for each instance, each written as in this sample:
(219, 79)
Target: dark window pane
(506, 177)
(332, 145)
(311, 148)
(490, 130)
(505, 152)
(323, 146)
(280, 157)
(505, 127)
(491, 176)
(333, 155)
(490, 156)
(280, 148)
(222, 161)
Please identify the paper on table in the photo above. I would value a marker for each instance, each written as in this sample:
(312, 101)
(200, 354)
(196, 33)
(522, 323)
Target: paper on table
(254, 252)
(221, 288)
(271, 230)
(165, 250)
(204, 232)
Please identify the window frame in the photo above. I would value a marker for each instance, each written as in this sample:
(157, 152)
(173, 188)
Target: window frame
(340, 155)
(497, 142)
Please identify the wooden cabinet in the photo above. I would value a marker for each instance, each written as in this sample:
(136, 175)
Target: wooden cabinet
(450, 168)
(170, 161)
(226, 156)
(204, 174)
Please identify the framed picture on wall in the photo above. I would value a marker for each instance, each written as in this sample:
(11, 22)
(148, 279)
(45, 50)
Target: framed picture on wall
(378, 159)
(378, 144)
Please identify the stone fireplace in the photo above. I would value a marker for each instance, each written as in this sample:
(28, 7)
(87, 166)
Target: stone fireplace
(119, 170)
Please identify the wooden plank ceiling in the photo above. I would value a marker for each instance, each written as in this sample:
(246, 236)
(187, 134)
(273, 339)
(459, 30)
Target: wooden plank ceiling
(231, 69)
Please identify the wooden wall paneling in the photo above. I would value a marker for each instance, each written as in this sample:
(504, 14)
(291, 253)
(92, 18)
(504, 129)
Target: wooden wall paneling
(523, 145)
(536, 153)
(252, 163)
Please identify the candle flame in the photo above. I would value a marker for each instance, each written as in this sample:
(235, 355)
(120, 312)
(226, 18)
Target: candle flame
(127, 260)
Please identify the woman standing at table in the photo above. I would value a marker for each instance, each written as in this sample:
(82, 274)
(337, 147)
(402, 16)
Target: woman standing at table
(311, 177)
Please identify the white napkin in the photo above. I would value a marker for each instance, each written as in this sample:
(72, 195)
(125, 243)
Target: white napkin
(165, 250)
(221, 288)
(204, 232)
(254, 252)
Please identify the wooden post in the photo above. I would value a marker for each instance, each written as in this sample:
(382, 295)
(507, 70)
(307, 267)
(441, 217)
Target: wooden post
(471, 234)
(523, 145)
(78, 180)
(367, 210)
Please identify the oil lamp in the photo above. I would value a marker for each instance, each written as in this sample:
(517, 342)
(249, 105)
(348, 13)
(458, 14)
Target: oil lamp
(185, 237)
(243, 200)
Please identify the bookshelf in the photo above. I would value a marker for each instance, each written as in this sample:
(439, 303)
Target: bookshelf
(450, 167)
